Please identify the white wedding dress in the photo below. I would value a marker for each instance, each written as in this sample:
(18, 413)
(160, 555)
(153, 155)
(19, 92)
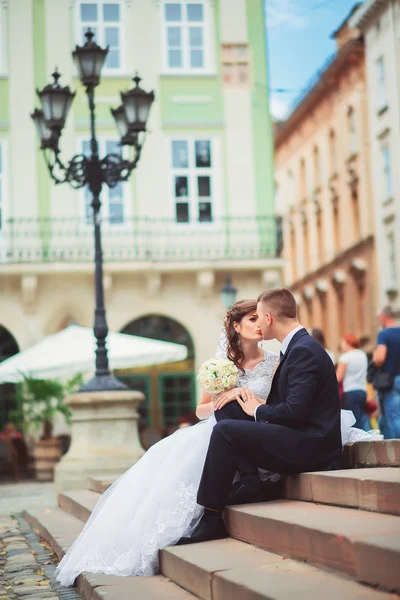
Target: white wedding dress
(154, 503)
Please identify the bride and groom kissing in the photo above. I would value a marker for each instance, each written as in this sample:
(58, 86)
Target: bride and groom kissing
(283, 417)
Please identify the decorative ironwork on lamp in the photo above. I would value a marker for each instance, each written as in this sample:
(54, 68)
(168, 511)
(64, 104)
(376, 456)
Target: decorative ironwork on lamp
(91, 170)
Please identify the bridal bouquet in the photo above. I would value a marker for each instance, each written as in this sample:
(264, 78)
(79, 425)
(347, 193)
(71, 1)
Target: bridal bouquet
(218, 375)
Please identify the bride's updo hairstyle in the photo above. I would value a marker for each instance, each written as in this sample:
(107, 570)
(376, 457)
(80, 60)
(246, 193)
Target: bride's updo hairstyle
(234, 315)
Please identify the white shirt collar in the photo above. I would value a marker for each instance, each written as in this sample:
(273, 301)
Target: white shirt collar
(289, 337)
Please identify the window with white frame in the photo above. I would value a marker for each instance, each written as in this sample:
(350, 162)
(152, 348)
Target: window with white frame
(193, 179)
(391, 255)
(105, 20)
(185, 32)
(381, 80)
(352, 129)
(2, 43)
(112, 199)
(387, 171)
(2, 176)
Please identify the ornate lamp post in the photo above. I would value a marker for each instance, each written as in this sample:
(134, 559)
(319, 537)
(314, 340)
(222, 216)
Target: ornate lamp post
(228, 293)
(93, 171)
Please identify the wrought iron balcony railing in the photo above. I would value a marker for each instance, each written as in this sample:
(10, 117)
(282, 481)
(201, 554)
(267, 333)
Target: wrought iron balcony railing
(69, 240)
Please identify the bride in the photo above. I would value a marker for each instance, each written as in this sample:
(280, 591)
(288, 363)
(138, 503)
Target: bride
(153, 504)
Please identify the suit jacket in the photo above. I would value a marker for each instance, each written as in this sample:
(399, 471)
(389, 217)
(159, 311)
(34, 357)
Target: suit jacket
(305, 399)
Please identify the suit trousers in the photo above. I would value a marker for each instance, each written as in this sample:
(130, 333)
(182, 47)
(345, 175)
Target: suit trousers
(232, 442)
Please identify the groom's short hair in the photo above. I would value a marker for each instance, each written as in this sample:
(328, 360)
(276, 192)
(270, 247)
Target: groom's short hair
(280, 303)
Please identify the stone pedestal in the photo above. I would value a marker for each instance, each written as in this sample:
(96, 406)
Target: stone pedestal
(104, 437)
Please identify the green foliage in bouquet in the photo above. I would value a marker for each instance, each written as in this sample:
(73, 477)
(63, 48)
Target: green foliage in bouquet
(39, 400)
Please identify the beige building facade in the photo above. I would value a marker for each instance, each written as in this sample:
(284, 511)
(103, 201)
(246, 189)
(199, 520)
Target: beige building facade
(379, 21)
(199, 207)
(323, 188)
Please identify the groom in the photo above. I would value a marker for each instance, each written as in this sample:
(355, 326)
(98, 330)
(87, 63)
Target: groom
(297, 430)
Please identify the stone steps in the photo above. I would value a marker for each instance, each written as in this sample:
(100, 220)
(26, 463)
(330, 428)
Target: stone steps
(362, 544)
(101, 483)
(60, 530)
(78, 503)
(383, 453)
(374, 489)
(231, 570)
(218, 570)
(345, 547)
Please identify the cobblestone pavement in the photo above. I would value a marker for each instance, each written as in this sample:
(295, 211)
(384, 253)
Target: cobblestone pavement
(16, 497)
(27, 565)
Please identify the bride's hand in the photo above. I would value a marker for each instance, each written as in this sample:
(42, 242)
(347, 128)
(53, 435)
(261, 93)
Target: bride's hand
(226, 397)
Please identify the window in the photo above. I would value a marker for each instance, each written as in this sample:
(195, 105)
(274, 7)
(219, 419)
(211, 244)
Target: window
(391, 254)
(293, 251)
(382, 98)
(235, 65)
(184, 33)
(352, 128)
(303, 183)
(332, 151)
(112, 199)
(104, 19)
(2, 43)
(387, 171)
(355, 204)
(317, 167)
(1, 185)
(193, 180)
(292, 189)
(176, 394)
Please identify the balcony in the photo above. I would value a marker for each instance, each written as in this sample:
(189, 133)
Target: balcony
(25, 241)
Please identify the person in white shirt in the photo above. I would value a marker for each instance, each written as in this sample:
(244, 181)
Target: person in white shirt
(352, 374)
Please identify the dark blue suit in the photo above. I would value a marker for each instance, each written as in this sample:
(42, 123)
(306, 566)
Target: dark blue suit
(297, 430)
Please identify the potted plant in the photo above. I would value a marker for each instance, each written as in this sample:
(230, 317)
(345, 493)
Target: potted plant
(38, 402)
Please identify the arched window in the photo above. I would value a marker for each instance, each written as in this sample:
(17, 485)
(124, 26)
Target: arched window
(8, 347)
(169, 389)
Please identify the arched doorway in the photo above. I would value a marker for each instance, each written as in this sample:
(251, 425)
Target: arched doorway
(169, 388)
(8, 347)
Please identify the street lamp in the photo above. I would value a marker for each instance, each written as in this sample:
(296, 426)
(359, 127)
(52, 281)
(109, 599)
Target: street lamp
(93, 171)
(228, 293)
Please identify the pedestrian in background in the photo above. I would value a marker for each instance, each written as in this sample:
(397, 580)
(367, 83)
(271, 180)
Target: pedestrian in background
(351, 372)
(318, 335)
(387, 359)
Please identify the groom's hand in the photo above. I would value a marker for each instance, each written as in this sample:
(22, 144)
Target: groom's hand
(248, 401)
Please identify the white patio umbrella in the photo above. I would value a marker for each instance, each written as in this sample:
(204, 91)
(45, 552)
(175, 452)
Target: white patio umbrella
(72, 351)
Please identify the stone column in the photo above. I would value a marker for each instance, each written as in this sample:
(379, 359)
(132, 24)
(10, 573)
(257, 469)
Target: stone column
(104, 437)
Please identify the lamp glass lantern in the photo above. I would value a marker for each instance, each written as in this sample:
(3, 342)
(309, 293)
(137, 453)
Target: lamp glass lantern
(56, 102)
(228, 293)
(137, 104)
(47, 138)
(89, 60)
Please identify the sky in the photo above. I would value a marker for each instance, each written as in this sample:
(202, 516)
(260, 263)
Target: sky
(299, 43)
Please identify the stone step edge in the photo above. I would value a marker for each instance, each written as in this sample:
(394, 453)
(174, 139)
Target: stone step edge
(75, 506)
(175, 563)
(87, 583)
(335, 549)
(379, 453)
(336, 488)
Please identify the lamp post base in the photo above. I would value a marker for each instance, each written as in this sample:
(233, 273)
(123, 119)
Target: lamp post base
(104, 383)
(104, 437)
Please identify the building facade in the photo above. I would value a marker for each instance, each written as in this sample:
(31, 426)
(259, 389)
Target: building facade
(199, 207)
(323, 190)
(379, 21)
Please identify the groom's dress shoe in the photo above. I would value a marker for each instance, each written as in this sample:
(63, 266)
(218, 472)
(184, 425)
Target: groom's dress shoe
(211, 527)
(251, 489)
